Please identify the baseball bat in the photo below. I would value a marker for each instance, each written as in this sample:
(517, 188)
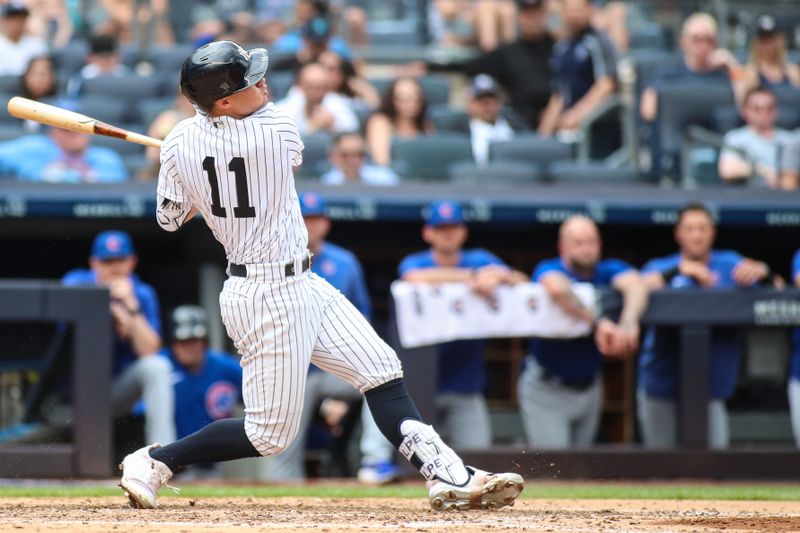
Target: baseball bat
(70, 120)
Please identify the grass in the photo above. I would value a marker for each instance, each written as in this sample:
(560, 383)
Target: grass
(582, 490)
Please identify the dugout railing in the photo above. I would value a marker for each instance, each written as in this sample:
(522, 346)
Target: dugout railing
(694, 313)
(81, 318)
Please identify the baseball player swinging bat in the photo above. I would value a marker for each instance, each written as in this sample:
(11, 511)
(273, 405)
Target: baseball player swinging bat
(70, 120)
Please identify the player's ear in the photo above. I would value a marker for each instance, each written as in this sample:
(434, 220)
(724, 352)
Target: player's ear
(426, 233)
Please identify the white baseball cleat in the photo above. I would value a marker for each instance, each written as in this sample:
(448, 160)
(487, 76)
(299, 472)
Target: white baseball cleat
(484, 490)
(142, 476)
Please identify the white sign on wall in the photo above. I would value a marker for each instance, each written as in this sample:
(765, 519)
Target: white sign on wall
(431, 314)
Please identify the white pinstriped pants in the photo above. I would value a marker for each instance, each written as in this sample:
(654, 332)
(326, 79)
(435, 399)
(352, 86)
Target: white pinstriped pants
(279, 325)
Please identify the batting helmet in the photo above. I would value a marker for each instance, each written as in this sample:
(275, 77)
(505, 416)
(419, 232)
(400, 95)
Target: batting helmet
(220, 69)
(189, 322)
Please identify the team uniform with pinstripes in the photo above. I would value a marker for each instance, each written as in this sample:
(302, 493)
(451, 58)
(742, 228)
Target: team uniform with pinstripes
(239, 174)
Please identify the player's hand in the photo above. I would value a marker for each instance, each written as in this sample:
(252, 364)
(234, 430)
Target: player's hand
(486, 280)
(321, 119)
(570, 120)
(627, 339)
(605, 336)
(332, 412)
(121, 318)
(722, 58)
(698, 271)
(749, 272)
(122, 291)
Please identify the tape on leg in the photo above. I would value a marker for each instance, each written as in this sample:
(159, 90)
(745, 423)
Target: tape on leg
(438, 460)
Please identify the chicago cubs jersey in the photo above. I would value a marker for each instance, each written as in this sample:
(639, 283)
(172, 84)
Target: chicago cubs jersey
(341, 269)
(574, 360)
(124, 355)
(205, 396)
(238, 174)
(461, 364)
(659, 370)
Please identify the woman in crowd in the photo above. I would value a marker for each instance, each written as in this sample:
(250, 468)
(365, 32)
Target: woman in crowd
(402, 114)
(769, 64)
(37, 83)
(346, 82)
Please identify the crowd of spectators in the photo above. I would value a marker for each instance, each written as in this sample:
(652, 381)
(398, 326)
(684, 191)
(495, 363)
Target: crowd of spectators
(553, 68)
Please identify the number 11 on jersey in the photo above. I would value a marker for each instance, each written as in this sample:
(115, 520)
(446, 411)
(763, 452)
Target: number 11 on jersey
(243, 208)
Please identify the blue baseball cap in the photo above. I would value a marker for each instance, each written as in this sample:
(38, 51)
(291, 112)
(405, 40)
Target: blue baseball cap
(312, 205)
(112, 245)
(443, 213)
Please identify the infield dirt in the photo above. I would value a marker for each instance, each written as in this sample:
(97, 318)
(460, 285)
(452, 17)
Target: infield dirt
(179, 515)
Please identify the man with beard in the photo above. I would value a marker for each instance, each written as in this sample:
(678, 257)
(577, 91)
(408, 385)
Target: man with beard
(560, 390)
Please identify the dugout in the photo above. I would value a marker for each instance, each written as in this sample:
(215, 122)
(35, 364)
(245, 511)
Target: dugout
(49, 231)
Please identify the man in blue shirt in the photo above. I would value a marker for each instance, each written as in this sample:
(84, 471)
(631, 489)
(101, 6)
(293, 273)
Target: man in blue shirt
(324, 391)
(60, 157)
(794, 370)
(584, 71)
(136, 369)
(560, 389)
(696, 266)
(461, 407)
(348, 156)
(207, 383)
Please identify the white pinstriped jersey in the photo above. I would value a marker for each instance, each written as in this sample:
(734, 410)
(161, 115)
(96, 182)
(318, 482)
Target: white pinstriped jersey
(238, 173)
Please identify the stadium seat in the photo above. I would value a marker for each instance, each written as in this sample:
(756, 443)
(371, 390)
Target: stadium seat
(497, 173)
(169, 84)
(129, 88)
(727, 118)
(787, 96)
(679, 106)
(530, 148)
(104, 108)
(279, 84)
(315, 155)
(149, 109)
(70, 58)
(10, 84)
(449, 119)
(10, 131)
(5, 116)
(168, 59)
(428, 157)
(591, 172)
(436, 88)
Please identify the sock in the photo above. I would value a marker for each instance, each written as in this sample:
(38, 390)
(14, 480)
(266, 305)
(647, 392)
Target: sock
(390, 404)
(223, 440)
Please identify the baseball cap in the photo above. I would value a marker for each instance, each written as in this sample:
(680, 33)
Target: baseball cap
(443, 213)
(112, 245)
(767, 25)
(525, 4)
(13, 9)
(312, 205)
(189, 322)
(317, 30)
(482, 85)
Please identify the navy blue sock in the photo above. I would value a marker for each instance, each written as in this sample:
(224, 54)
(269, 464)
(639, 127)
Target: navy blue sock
(390, 404)
(223, 440)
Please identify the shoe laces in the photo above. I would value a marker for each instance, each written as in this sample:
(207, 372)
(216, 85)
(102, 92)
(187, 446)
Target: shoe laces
(156, 477)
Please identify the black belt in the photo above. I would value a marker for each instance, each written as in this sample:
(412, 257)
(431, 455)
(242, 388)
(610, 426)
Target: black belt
(578, 385)
(240, 271)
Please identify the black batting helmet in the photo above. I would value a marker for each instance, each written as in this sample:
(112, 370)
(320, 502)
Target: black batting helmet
(189, 322)
(220, 69)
